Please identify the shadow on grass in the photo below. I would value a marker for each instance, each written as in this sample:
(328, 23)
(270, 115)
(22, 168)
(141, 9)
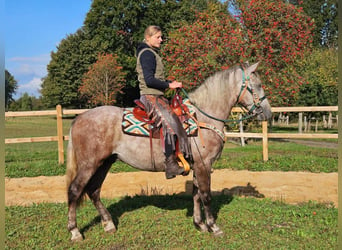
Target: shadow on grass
(173, 202)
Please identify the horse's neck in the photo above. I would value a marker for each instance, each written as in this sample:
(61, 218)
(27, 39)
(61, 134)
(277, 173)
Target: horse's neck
(213, 102)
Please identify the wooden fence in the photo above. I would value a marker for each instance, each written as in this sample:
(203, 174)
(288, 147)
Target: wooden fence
(264, 135)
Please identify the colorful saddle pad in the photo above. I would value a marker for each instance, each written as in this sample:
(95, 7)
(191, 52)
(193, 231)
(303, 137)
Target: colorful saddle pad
(132, 126)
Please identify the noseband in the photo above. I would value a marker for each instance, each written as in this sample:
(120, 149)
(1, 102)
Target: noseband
(244, 88)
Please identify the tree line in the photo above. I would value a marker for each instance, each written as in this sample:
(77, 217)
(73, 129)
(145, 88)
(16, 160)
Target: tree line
(296, 41)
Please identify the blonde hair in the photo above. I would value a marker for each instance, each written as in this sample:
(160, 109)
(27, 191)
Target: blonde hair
(151, 30)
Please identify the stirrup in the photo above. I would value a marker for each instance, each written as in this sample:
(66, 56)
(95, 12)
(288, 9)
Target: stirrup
(183, 163)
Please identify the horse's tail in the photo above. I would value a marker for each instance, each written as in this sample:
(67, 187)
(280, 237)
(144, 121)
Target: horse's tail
(71, 168)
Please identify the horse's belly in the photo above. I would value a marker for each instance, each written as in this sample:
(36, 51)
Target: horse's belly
(137, 153)
(143, 164)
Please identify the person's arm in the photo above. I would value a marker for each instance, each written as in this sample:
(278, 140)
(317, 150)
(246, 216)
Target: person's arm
(148, 64)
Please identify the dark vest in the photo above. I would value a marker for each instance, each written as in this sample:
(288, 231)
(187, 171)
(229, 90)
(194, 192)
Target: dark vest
(159, 74)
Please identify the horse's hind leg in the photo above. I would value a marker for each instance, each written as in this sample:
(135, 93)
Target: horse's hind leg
(93, 190)
(75, 193)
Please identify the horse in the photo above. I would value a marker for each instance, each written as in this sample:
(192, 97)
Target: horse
(96, 141)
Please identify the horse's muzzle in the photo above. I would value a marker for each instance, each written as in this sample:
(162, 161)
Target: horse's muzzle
(263, 114)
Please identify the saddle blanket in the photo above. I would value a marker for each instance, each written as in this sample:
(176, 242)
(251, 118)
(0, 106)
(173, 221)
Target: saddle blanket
(132, 126)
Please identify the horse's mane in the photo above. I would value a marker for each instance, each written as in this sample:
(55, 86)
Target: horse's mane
(215, 87)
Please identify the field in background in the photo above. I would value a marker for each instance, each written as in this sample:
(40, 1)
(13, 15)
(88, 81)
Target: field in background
(41, 158)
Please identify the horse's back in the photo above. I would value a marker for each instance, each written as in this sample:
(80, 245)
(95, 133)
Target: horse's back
(98, 113)
(98, 119)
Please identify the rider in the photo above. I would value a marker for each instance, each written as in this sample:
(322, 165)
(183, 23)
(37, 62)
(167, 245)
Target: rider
(152, 84)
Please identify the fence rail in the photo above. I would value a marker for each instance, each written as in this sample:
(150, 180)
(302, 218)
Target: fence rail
(60, 138)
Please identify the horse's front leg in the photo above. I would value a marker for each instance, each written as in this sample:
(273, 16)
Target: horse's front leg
(202, 193)
(197, 215)
(210, 220)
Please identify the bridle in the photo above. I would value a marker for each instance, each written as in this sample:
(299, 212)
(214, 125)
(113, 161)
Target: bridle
(244, 88)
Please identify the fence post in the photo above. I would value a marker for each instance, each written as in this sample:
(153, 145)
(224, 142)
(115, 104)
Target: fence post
(264, 141)
(325, 124)
(330, 120)
(300, 122)
(242, 139)
(305, 124)
(60, 134)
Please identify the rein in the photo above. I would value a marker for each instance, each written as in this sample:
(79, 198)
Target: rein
(244, 87)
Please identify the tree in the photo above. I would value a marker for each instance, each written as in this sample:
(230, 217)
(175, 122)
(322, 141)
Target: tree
(11, 85)
(319, 68)
(67, 65)
(104, 80)
(118, 26)
(112, 27)
(273, 32)
(26, 103)
(324, 14)
(282, 33)
(196, 50)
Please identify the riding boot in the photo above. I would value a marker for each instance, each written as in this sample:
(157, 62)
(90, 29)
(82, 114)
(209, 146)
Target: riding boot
(172, 168)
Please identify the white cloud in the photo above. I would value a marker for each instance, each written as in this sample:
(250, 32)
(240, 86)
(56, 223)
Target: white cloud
(44, 58)
(34, 66)
(37, 70)
(32, 88)
(28, 71)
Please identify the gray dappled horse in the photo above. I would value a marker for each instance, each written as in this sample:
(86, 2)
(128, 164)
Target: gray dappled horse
(97, 141)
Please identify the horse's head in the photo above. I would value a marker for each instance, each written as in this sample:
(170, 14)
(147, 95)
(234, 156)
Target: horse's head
(252, 95)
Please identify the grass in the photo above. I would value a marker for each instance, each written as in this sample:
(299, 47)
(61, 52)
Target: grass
(35, 159)
(165, 222)
(283, 156)
(294, 128)
(18, 127)
(41, 158)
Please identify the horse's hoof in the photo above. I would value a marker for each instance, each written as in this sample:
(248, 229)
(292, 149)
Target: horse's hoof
(219, 233)
(77, 239)
(109, 226)
(216, 230)
(202, 227)
(76, 236)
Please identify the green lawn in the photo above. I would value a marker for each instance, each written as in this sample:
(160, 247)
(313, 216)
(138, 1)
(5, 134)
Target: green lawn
(165, 222)
(18, 127)
(35, 159)
(41, 158)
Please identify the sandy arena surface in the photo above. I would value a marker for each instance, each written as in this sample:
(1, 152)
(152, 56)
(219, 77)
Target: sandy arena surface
(290, 187)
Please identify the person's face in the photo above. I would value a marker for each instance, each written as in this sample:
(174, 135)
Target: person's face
(155, 40)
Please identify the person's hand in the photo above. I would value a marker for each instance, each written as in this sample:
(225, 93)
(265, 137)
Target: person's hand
(175, 84)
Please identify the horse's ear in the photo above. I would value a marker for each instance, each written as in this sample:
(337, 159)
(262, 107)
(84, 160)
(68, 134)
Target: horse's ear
(252, 68)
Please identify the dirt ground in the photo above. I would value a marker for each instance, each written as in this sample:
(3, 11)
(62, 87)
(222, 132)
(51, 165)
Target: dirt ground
(290, 187)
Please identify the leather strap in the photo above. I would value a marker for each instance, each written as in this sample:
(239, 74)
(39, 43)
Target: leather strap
(151, 148)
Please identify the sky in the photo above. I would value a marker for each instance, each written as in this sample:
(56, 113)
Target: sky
(33, 29)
